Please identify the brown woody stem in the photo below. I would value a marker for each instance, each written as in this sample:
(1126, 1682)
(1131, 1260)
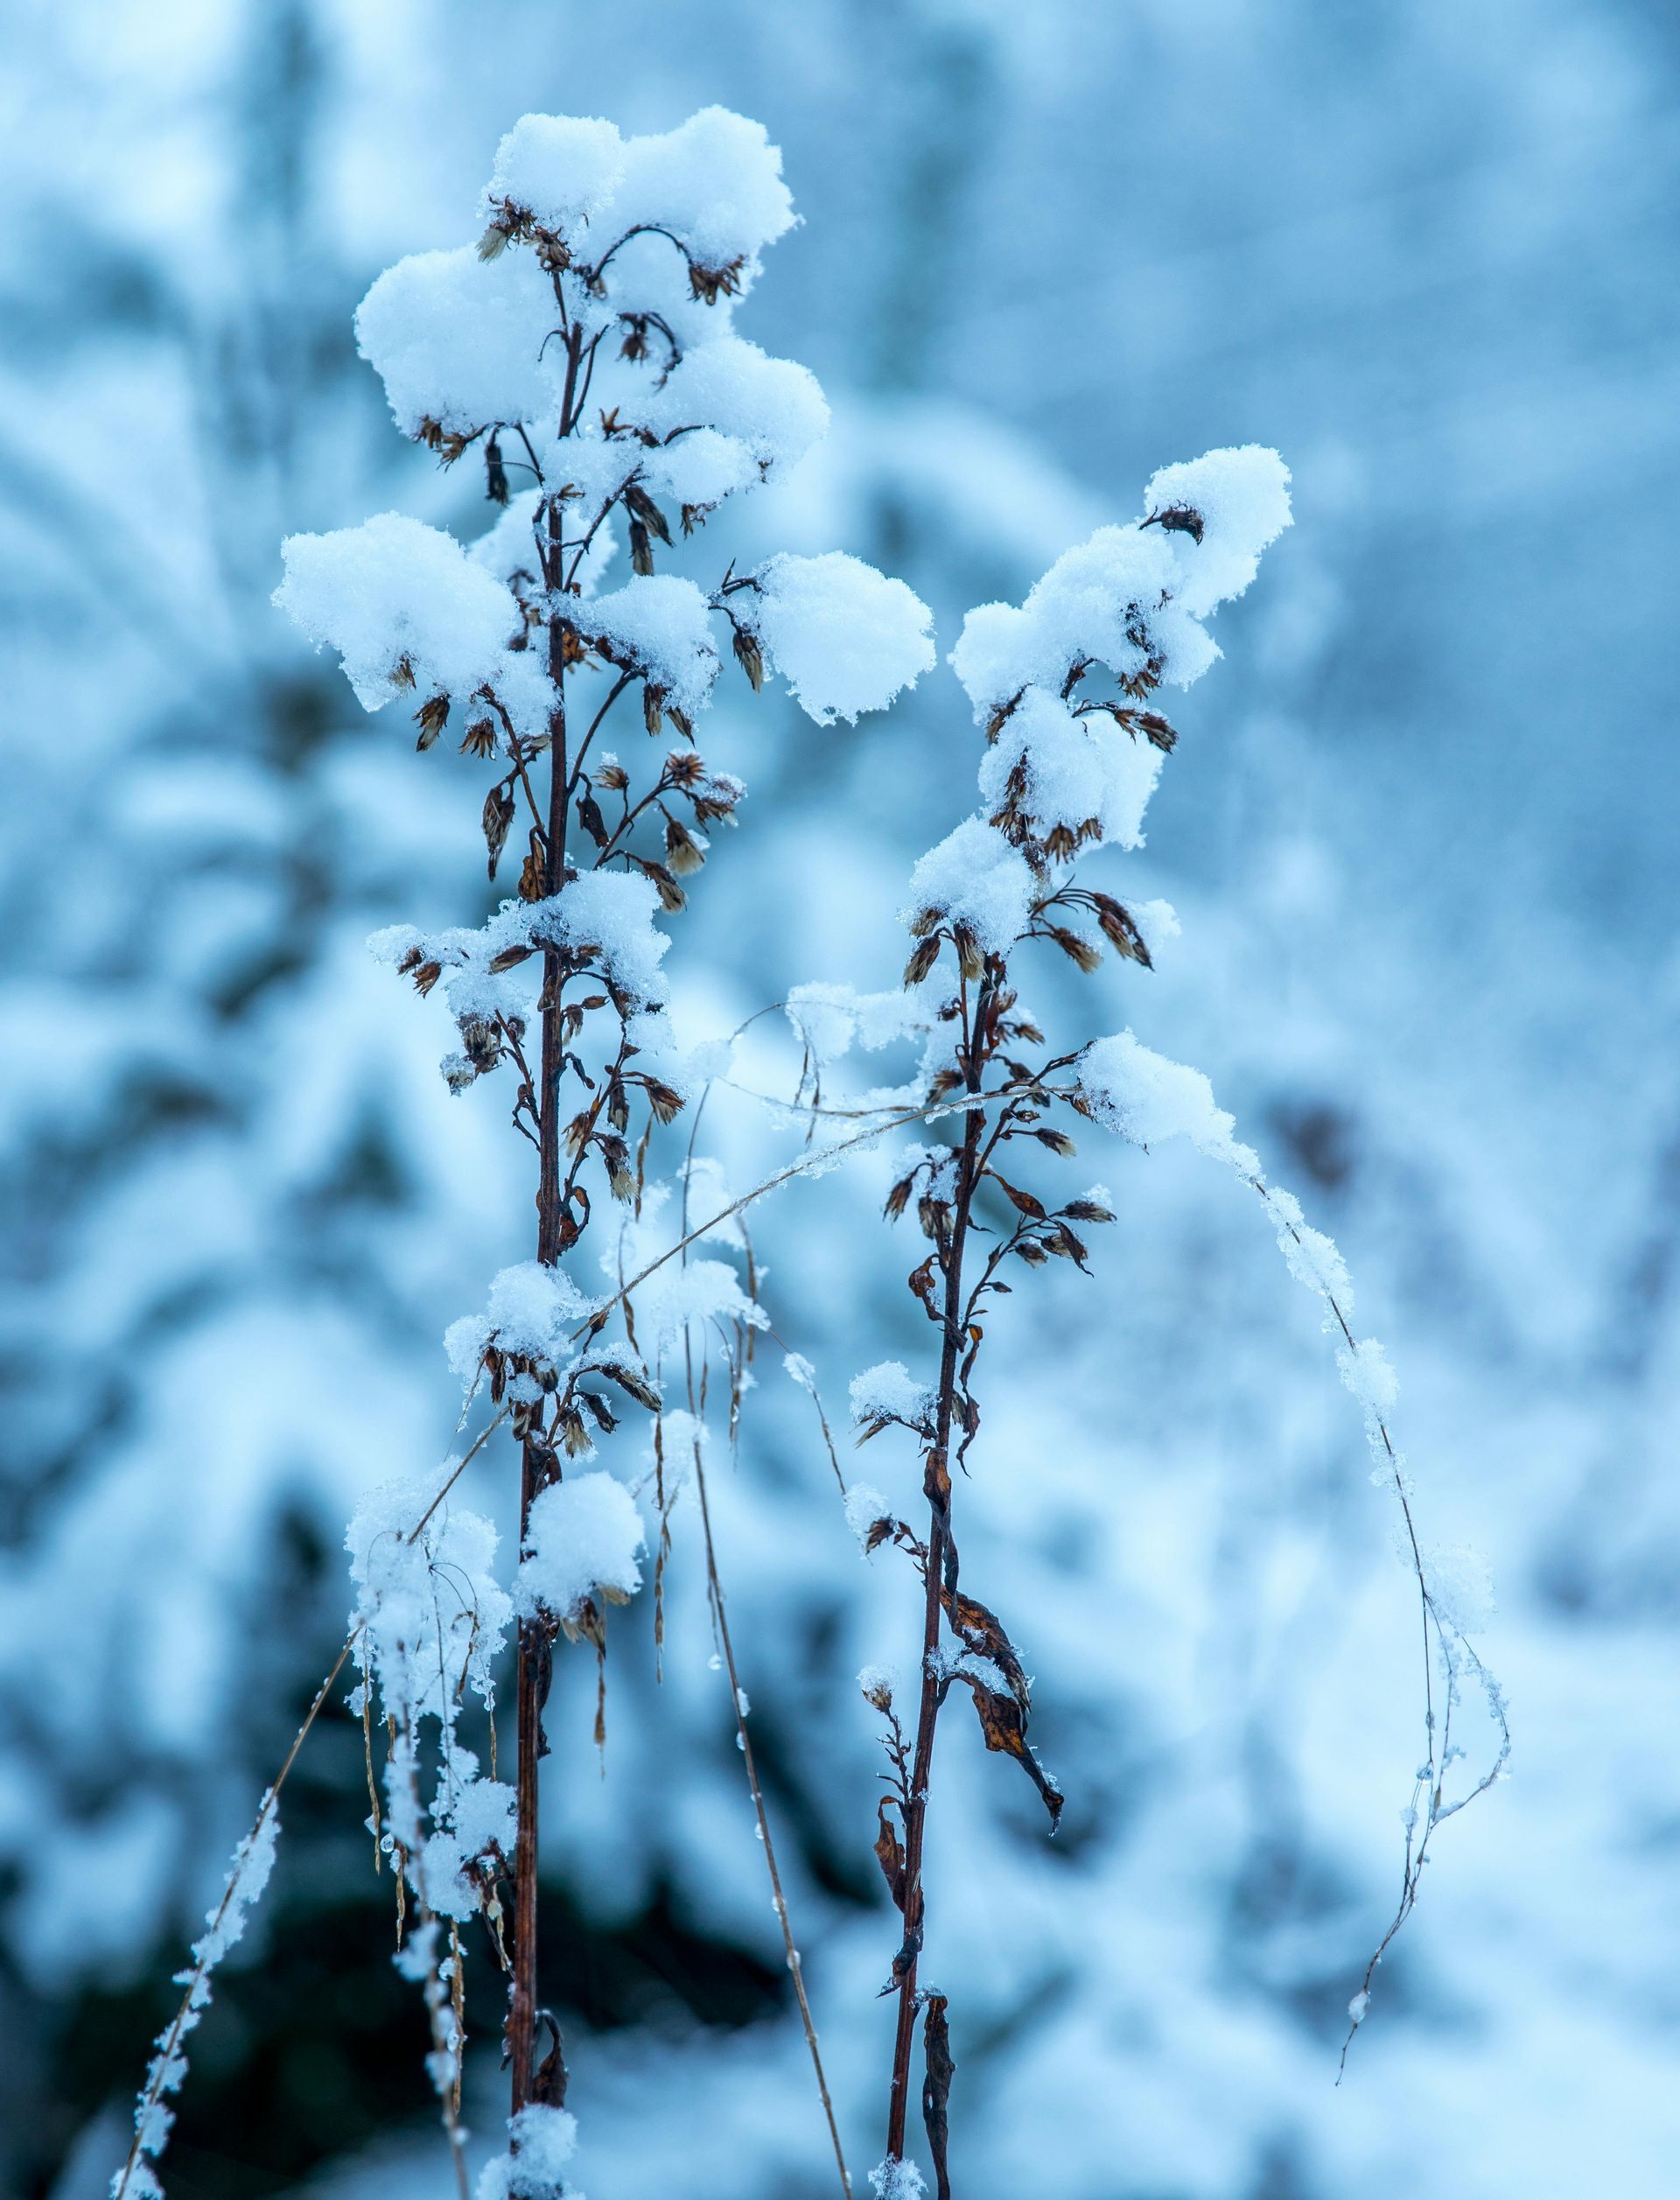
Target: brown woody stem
(551, 1210)
(942, 1559)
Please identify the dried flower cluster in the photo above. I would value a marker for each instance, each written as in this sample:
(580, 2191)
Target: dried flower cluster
(584, 349)
(1066, 686)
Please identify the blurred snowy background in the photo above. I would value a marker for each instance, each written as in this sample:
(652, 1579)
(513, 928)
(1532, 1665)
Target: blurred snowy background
(1420, 834)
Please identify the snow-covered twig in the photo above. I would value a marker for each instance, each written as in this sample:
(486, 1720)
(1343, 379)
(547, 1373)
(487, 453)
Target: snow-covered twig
(224, 1925)
(1070, 764)
(593, 324)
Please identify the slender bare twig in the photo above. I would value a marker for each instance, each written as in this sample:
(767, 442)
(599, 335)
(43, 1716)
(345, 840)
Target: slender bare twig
(795, 1968)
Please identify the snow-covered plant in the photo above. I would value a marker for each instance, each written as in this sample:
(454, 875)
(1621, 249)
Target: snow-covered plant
(584, 349)
(1066, 686)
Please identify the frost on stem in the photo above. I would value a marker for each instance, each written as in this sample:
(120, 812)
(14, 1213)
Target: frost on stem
(896, 2179)
(1145, 1097)
(224, 1928)
(430, 1619)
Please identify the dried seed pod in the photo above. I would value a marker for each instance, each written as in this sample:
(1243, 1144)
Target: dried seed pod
(898, 1198)
(1001, 716)
(1178, 519)
(1066, 1246)
(643, 506)
(612, 779)
(922, 961)
(631, 1381)
(479, 737)
(482, 1042)
(671, 896)
(971, 961)
(1119, 929)
(749, 658)
(665, 1103)
(603, 1415)
(498, 816)
(708, 284)
(682, 851)
(1077, 950)
(534, 873)
(652, 707)
(1158, 730)
(553, 253)
(431, 717)
(589, 817)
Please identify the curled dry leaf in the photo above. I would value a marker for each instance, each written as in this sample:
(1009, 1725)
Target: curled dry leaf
(938, 2071)
(1003, 1724)
(889, 1852)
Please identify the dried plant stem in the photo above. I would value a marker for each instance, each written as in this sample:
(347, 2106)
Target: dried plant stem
(1428, 1797)
(720, 1620)
(940, 1575)
(824, 1156)
(169, 2046)
(458, 1470)
(551, 1212)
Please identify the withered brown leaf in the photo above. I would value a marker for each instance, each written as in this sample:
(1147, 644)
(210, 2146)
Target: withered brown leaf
(1003, 1724)
(889, 1852)
(938, 2071)
(1024, 1202)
